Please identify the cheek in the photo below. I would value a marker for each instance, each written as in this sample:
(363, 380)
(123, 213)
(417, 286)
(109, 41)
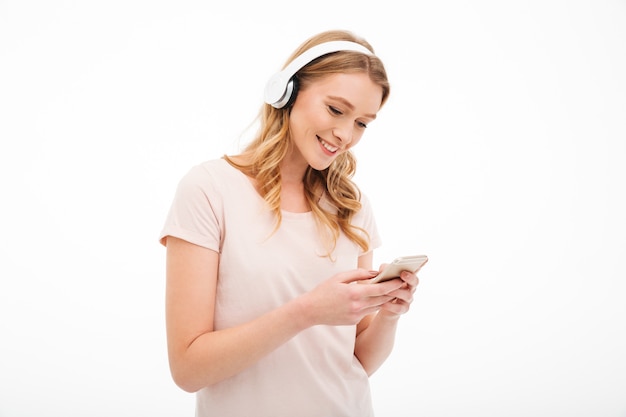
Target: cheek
(296, 122)
(302, 118)
(317, 119)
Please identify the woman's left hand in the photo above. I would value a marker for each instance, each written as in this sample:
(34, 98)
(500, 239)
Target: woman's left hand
(403, 296)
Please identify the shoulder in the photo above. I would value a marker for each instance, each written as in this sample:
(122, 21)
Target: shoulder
(212, 174)
(211, 168)
(364, 199)
(365, 217)
(366, 204)
(208, 181)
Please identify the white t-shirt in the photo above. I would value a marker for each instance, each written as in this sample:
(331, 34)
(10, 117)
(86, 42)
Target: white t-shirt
(315, 373)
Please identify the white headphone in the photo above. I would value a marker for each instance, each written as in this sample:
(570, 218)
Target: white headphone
(279, 90)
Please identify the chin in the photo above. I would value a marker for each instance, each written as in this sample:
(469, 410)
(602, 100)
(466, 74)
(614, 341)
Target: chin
(321, 166)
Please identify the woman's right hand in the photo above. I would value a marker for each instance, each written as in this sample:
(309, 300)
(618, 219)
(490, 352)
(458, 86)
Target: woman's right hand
(341, 301)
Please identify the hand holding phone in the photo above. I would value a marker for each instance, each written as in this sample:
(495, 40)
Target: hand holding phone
(403, 263)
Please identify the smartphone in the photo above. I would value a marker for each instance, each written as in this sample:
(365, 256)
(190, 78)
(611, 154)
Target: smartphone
(403, 263)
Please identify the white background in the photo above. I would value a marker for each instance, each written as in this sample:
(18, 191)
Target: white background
(501, 154)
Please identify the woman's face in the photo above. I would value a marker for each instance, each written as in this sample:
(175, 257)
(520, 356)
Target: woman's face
(330, 116)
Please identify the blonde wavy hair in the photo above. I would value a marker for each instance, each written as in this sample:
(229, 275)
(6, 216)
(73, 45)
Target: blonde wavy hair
(272, 142)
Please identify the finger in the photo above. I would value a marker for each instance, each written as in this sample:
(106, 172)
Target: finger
(410, 278)
(405, 294)
(371, 305)
(355, 275)
(383, 288)
(397, 308)
(383, 299)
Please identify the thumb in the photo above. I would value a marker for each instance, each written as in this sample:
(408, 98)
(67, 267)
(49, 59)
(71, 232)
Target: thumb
(355, 275)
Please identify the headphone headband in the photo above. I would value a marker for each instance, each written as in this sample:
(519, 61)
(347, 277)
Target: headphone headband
(279, 88)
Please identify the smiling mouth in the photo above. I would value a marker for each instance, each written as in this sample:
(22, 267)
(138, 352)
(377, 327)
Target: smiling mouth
(330, 148)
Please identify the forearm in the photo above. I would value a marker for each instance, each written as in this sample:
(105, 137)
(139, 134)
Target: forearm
(201, 356)
(375, 343)
(216, 355)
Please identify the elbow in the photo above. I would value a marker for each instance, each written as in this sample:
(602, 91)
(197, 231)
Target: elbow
(192, 372)
(188, 378)
(369, 368)
(191, 389)
(185, 382)
(184, 377)
(371, 359)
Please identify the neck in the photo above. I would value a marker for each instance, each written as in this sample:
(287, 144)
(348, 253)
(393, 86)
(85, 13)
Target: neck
(292, 169)
(292, 198)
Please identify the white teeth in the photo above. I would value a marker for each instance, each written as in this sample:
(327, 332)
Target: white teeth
(328, 146)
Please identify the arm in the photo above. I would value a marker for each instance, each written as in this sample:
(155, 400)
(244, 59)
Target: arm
(200, 356)
(376, 332)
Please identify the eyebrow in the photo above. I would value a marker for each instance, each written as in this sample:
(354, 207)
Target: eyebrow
(350, 106)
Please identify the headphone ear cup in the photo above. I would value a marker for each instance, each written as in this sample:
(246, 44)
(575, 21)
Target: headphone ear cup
(292, 87)
(287, 96)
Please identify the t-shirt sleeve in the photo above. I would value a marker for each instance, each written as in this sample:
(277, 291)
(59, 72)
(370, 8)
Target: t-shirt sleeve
(196, 213)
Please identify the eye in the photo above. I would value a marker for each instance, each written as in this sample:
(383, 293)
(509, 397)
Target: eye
(361, 125)
(334, 110)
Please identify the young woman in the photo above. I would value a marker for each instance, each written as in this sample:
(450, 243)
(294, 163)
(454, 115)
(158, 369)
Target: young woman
(268, 308)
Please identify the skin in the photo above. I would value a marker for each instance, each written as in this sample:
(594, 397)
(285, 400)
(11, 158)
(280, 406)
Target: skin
(327, 118)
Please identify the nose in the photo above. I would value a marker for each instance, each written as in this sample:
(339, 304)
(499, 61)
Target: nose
(344, 132)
